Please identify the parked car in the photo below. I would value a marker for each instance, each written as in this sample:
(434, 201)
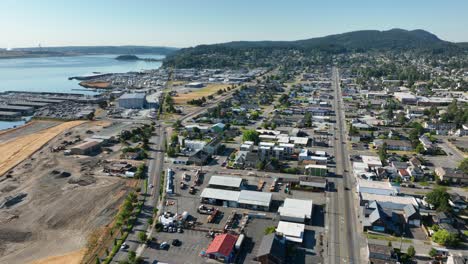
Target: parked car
(124, 246)
(176, 242)
(164, 246)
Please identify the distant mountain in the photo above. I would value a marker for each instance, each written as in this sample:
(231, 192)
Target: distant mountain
(102, 50)
(364, 40)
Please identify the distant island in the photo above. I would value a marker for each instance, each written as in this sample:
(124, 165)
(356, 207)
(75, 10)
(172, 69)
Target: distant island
(134, 58)
(38, 52)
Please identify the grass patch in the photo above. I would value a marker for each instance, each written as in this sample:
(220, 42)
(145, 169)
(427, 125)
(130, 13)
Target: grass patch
(198, 93)
(387, 238)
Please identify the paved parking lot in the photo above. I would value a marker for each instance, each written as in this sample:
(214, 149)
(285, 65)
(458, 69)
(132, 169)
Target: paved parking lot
(193, 242)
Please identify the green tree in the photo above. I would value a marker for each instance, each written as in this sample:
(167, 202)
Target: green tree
(445, 238)
(98, 261)
(383, 152)
(439, 198)
(464, 165)
(432, 253)
(269, 230)
(131, 256)
(411, 252)
(250, 135)
(419, 148)
(142, 236)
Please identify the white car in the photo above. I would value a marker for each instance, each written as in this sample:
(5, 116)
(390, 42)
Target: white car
(124, 246)
(151, 186)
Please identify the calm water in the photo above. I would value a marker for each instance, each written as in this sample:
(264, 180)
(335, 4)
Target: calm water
(51, 74)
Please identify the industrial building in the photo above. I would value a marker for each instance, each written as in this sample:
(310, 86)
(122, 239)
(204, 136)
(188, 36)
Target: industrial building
(243, 199)
(24, 110)
(88, 147)
(132, 100)
(227, 183)
(10, 116)
(296, 210)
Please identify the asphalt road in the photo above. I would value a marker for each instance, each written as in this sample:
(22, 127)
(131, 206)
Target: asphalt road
(344, 239)
(155, 167)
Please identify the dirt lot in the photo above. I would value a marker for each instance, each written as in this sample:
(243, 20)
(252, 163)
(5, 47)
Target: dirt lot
(58, 202)
(72, 258)
(18, 149)
(27, 129)
(209, 89)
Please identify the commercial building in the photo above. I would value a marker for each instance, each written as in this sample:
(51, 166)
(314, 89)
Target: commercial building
(316, 170)
(296, 210)
(376, 187)
(225, 182)
(293, 232)
(244, 198)
(222, 248)
(255, 200)
(132, 100)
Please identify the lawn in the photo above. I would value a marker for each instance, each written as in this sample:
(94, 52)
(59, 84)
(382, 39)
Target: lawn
(387, 238)
(199, 93)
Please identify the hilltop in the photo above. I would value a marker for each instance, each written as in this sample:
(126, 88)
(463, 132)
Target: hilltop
(226, 54)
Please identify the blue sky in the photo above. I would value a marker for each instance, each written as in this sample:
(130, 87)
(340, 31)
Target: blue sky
(182, 23)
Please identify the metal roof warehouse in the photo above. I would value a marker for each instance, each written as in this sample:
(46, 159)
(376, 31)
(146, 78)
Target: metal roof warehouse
(223, 181)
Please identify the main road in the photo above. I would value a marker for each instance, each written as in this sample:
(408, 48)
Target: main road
(343, 239)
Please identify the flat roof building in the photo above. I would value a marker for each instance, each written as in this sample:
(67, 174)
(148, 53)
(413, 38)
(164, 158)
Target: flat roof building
(296, 210)
(293, 232)
(376, 187)
(255, 200)
(225, 182)
(132, 100)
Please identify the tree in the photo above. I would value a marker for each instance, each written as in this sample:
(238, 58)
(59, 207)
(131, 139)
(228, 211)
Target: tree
(411, 252)
(131, 256)
(389, 244)
(445, 238)
(383, 152)
(463, 165)
(250, 135)
(98, 261)
(420, 148)
(432, 253)
(142, 236)
(269, 230)
(439, 198)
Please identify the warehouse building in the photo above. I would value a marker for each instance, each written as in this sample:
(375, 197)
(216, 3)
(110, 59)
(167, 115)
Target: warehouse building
(24, 110)
(296, 210)
(10, 116)
(376, 187)
(255, 200)
(244, 199)
(88, 147)
(132, 100)
(226, 183)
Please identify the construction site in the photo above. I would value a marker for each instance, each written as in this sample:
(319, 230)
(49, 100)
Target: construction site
(53, 202)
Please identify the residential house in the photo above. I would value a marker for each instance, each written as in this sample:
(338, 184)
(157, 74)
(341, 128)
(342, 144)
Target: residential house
(272, 250)
(440, 128)
(427, 143)
(402, 145)
(381, 254)
(452, 175)
(457, 202)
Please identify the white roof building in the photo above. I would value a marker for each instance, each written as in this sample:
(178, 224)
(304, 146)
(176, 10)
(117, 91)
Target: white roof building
(230, 182)
(372, 161)
(376, 187)
(255, 198)
(291, 231)
(296, 210)
(396, 202)
(220, 194)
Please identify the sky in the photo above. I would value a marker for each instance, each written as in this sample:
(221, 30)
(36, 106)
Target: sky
(183, 23)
